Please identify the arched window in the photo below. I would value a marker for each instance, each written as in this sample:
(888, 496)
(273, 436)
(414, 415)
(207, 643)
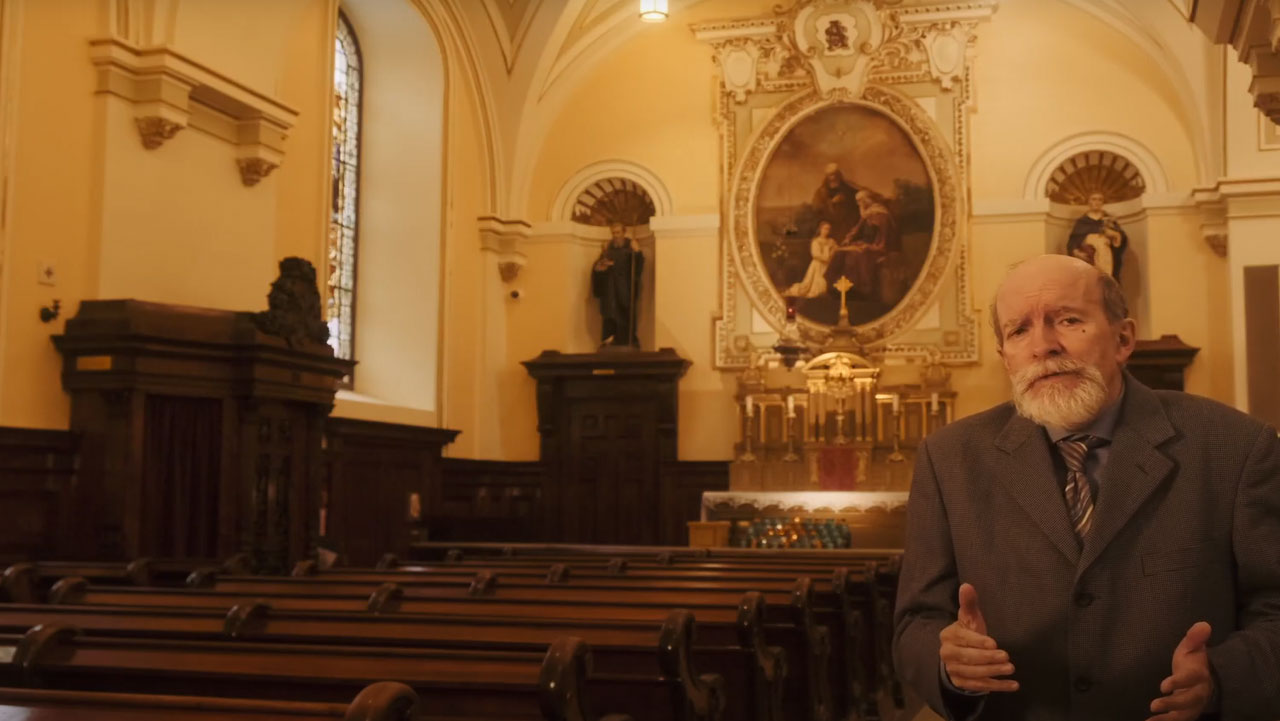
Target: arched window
(343, 219)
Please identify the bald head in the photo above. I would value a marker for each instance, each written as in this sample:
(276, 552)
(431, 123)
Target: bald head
(1057, 271)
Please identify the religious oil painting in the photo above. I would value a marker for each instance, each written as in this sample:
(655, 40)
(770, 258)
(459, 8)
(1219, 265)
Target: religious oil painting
(845, 202)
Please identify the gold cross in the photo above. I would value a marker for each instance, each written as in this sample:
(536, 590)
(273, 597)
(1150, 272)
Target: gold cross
(843, 285)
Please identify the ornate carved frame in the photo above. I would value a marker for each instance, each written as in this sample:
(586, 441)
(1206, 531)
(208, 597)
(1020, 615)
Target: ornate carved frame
(942, 174)
(771, 78)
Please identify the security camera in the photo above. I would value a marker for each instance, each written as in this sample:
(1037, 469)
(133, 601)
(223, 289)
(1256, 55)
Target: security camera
(516, 293)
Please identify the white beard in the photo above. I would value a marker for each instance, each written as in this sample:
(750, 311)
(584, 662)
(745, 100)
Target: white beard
(1055, 405)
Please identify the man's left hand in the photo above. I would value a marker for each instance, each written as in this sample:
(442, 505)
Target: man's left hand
(1188, 690)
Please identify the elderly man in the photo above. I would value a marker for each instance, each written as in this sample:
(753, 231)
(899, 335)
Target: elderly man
(1094, 550)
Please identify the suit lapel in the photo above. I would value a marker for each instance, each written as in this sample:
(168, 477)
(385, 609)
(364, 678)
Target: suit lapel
(1135, 468)
(1031, 479)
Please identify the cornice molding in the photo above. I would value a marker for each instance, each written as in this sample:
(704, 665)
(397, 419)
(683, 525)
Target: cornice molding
(170, 92)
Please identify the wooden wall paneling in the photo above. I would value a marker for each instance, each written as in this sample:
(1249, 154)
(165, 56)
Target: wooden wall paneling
(1161, 363)
(372, 470)
(683, 483)
(1262, 340)
(482, 500)
(37, 471)
(607, 422)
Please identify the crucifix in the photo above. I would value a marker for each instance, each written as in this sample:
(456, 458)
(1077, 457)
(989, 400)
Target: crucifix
(843, 285)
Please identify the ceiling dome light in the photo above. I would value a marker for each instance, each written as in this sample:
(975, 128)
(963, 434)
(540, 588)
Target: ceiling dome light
(653, 11)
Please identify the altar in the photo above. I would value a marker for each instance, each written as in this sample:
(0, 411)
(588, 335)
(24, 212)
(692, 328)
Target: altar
(826, 450)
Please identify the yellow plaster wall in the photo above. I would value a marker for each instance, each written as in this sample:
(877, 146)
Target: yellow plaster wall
(242, 38)
(53, 204)
(463, 318)
(1249, 152)
(173, 234)
(1189, 282)
(302, 184)
(685, 311)
(648, 102)
(1046, 71)
(174, 224)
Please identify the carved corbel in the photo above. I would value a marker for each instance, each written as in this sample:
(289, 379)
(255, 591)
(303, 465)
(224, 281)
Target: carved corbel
(501, 237)
(253, 170)
(169, 92)
(1213, 219)
(509, 269)
(1217, 242)
(259, 148)
(155, 130)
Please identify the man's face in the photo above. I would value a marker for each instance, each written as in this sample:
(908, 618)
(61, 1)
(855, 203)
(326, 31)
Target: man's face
(1095, 201)
(617, 233)
(833, 179)
(1062, 355)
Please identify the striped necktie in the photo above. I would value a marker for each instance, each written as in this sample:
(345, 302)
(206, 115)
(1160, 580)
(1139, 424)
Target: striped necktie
(1074, 449)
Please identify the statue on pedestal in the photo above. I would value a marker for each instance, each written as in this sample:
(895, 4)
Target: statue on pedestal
(615, 282)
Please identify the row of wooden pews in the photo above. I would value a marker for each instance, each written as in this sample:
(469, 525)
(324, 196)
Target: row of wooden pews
(479, 634)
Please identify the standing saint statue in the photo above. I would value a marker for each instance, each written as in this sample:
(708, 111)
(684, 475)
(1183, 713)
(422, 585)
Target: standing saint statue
(1097, 238)
(615, 281)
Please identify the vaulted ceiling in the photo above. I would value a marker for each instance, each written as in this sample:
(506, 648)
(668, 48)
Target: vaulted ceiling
(527, 51)
(529, 54)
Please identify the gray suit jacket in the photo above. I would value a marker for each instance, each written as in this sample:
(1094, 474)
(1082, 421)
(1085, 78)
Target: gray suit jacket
(1186, 528)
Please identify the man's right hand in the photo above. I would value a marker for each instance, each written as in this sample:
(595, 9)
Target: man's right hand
(971, 658)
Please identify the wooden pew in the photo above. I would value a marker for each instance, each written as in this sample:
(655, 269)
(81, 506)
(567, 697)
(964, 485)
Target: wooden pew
(618, 648)
(438, 550)
(383, 701)
(879, 594)
(451, 684)
(860, 633)
(875, 596)
(24, 582)
(830, 602)
(805, 643)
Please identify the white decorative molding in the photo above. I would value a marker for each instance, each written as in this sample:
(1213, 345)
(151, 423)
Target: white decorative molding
(838, 38)
(1153, 174)
(1253, 29)
(502, 238)
(562, 206)
(1012, 208)
(170, 92)
(679, 226)
(899, 59)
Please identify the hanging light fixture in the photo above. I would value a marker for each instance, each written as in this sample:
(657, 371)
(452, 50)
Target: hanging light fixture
(653, 11)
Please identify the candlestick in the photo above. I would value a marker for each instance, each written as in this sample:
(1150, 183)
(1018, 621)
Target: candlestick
(933, 402)
(791, 406)
(750, 407)
(895, 403)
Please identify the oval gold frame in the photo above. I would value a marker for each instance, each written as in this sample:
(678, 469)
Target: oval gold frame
(939, 162)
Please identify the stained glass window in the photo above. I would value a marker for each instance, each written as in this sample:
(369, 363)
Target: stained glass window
(341, 304)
